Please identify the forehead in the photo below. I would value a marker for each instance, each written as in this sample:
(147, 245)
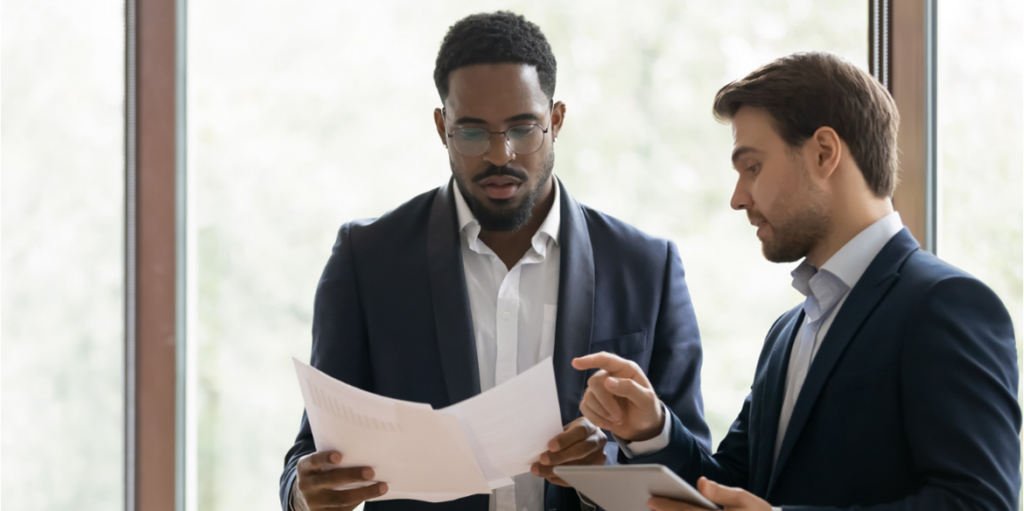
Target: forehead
(495, 91)
(754, 127)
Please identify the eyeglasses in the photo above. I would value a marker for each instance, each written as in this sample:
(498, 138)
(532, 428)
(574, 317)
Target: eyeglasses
(524, 139)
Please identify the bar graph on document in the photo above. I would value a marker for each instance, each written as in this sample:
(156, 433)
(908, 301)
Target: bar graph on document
(338, 409)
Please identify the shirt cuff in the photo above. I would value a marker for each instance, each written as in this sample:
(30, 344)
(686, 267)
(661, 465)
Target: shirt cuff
(776, 508)
(653, 445)
(297, 502)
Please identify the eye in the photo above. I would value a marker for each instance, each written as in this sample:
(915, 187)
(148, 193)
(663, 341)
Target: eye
(520, 131)
(754, 169)
(471, 134)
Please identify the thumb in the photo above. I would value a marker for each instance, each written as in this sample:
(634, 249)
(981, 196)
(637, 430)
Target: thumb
(640, 396)
(720, 494)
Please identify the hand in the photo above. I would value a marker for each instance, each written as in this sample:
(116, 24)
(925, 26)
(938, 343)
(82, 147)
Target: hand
(732, 499)
(581, 443)
(318, 476)
(619, 398)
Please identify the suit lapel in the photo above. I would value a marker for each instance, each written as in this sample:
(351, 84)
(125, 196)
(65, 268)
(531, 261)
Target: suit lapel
(864, 297)
(574, 324)
(452, 316)
(773, 388)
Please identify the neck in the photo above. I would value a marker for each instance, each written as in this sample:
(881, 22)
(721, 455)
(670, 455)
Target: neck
(511, 246)
(848, 220)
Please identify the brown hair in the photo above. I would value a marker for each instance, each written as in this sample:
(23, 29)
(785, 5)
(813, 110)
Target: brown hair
(806, 91)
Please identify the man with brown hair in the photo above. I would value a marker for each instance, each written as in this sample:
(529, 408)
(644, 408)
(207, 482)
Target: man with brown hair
(894, 385)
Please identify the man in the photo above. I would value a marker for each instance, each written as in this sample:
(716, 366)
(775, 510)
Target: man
(894, 385)
(465, 286)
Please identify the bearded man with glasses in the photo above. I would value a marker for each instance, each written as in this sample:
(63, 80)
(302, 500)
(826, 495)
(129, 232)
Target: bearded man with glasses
(465, 286)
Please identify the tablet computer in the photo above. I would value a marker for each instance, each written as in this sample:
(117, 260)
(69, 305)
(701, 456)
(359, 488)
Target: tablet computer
(627, 487)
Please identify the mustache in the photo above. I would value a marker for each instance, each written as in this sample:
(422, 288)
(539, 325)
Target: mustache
(503, 170)
(754, 215)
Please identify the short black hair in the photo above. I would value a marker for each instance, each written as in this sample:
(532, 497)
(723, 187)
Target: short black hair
(494, 38)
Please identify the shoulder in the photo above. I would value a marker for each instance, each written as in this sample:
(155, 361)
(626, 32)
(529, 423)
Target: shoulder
(619, 240)
(410, 218)
(938, 288)
(929, 278)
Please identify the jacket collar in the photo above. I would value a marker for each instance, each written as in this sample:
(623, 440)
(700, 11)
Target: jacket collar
(453, 320)
(878, 278)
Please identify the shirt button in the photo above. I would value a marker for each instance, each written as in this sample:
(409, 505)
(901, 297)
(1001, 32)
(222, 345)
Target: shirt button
(506, 315)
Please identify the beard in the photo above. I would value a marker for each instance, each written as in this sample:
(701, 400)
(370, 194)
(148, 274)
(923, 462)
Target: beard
(499, 215)
(799, 230)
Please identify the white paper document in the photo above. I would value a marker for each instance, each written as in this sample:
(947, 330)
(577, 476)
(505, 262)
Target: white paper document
(435, 455)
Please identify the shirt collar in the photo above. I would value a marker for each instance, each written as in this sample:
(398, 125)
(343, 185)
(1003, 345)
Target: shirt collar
(851, 261)
(469, 226)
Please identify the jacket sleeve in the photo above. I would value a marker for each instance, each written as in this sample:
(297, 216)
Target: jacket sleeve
(959, 379)
(688, 457)
(340, 346)
(675, 374)
(676, 357)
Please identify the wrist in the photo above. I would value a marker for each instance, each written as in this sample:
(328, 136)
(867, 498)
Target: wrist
(655, 429)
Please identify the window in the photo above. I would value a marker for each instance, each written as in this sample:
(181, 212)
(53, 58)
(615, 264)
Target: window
(979, 99)
(63, 245)
(303, 116)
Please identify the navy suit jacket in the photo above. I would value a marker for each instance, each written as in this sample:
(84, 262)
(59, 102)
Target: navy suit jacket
(392, 317)
(909, 404)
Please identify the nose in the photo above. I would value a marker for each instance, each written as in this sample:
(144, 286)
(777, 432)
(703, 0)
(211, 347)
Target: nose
(741, 199)
(499, 152)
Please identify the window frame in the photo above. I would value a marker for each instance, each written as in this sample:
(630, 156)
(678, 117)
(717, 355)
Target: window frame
(160, 471)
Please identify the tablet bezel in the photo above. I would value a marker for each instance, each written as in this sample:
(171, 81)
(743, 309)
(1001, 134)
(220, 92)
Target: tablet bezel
(608, 485)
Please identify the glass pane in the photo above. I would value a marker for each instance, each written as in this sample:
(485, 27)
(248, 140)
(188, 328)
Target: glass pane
(980, 140)
(287, 104)
(63, 209)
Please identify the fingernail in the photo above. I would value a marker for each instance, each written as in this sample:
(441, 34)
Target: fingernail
(335, 458)
(613, 383)
(545, 459)
(368, 474)
(534, 470)
(382, 488)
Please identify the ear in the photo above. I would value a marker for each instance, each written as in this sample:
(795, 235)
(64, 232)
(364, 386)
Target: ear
(826, 149)
(439, 122)
(557, 117)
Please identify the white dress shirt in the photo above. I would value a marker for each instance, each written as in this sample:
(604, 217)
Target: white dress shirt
(514, 315)
(826, 290)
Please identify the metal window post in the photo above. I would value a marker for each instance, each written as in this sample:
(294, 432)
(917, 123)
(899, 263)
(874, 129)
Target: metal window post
(902, 44)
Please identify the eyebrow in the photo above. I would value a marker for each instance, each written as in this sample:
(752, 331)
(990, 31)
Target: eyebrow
(740, 151)
(520, 117)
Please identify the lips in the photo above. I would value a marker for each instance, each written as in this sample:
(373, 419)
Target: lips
(500, 187)
(760, 223)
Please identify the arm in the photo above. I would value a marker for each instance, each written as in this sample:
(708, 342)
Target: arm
(962, 420)
(676, 357)
(339, 344)
(674, 377)
(620, 398)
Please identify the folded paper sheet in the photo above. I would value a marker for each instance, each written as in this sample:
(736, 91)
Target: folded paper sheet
(435, 455)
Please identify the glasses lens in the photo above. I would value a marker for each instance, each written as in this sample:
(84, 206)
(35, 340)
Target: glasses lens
(526, 139)
(471, 141)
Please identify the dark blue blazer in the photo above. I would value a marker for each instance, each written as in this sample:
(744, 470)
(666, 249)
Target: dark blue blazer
(910, 403)
(392, 316)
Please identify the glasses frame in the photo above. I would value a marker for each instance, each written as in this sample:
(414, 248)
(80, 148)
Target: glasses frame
(504, 134)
